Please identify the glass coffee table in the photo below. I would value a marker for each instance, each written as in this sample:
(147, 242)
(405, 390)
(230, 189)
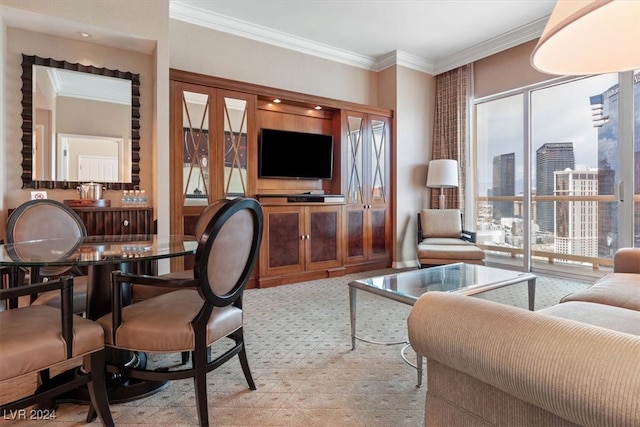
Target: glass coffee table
(460, 278)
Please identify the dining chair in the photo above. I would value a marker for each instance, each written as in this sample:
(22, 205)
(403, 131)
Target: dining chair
(35, 338)
(193, 319)
(49, 219)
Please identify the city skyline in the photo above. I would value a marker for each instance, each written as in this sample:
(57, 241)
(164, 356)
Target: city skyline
(560, 113)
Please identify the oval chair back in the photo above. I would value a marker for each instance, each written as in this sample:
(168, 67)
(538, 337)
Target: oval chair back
(44, 219)
(228, 250)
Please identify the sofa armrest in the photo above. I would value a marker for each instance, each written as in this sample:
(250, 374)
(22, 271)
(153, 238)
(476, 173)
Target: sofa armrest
(582, 373)
(627, 260)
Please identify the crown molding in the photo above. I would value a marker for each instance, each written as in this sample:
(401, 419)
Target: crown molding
(497, 44)
(226, 24)
(403, 59)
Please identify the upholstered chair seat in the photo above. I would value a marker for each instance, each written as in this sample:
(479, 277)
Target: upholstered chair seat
(35, 338)
(163, 324)
(34, 343)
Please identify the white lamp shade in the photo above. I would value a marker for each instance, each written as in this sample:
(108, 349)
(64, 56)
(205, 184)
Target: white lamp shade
(590, 37)
(442, 173)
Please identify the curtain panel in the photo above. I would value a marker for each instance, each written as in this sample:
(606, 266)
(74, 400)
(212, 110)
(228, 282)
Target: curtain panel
(450, 130)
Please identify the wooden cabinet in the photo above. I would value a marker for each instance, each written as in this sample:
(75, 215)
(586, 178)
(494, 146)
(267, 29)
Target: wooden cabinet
(366, 151)
(117, 221)
(300, 239)
(215, 128)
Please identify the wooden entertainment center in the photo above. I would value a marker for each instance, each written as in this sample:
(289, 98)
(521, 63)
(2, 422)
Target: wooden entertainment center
(314, 228)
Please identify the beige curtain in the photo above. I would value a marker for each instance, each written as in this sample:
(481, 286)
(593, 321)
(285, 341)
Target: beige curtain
(450, 129)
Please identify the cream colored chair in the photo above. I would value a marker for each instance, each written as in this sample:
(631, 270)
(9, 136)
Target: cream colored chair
(441, 239)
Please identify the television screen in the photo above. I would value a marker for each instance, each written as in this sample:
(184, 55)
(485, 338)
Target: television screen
(287, 154)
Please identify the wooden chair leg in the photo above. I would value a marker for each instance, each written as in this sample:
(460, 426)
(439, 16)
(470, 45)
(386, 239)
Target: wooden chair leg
(244, 362)
(98, 388)
(185, 357)
(200, 386)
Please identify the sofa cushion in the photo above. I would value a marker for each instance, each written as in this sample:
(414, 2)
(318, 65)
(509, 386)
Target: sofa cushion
(617, 289)
(605, 316)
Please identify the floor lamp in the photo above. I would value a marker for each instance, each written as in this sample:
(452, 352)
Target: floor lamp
(442, 173)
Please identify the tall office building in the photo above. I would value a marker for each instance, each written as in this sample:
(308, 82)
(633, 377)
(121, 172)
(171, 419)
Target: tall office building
(576, 222)
(550, 157)
(504, 184)
(606, 104)
(608, 168)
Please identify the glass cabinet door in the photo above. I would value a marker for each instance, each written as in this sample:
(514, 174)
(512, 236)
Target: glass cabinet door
(355, 158)
(235, 116)
(195, 148)
(379, 141)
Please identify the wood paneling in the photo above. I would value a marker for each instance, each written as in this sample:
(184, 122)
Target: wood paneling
(117, 221)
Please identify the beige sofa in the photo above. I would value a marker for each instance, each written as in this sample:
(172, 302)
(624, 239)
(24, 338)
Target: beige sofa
(576, 363)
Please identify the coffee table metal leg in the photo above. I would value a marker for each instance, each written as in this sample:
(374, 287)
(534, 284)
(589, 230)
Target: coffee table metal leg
(419, 368)
(532, 293)
(352, 311)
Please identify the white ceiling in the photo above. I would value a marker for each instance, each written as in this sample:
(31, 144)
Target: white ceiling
(428, 35)
(431, 35)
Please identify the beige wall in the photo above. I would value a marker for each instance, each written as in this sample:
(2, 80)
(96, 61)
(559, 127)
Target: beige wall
(121, 21)
(21, 41)
(201, 50)
(506, 70)
(414, 125)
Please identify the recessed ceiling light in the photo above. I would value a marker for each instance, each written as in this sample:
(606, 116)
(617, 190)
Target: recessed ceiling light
(317, 107)
(83, 34)
(277, 101)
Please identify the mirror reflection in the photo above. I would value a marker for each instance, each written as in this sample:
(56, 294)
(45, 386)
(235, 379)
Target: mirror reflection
(82, 126)
(80, 123)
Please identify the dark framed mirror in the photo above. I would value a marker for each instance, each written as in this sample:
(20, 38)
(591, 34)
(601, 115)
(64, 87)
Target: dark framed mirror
(65, 141)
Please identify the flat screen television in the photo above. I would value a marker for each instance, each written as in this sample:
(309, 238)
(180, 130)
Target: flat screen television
(295, 155)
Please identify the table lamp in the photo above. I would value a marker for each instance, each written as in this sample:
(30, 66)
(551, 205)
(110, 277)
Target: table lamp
(442, 173)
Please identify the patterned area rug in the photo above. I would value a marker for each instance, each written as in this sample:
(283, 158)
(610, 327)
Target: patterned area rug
(299, 348)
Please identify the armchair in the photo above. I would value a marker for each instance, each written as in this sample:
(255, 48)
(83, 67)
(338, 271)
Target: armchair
(441, 239)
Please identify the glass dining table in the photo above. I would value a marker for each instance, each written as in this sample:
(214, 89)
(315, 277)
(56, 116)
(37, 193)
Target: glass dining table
(99, 256)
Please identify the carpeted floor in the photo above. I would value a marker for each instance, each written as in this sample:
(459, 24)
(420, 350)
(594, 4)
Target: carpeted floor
(298, 340)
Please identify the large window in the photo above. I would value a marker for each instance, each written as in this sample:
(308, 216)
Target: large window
(551, 163)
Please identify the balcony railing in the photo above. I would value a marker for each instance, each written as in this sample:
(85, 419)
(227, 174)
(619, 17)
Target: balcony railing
(538, 255)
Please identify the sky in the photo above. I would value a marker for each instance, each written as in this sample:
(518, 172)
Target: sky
(561, 113)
